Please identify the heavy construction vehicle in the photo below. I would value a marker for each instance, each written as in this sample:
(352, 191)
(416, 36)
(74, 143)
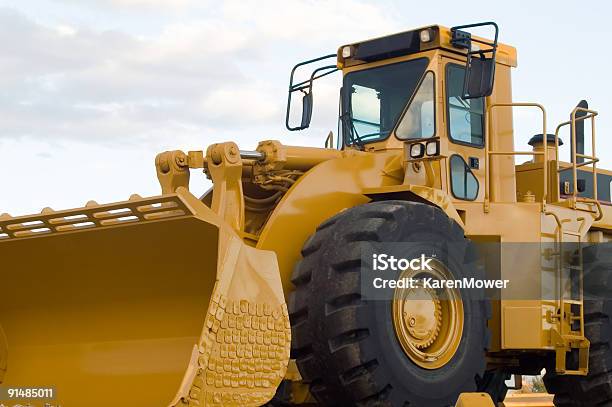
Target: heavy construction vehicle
(251, 294)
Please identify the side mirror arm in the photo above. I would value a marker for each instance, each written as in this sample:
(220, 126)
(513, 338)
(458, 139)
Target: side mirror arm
(306, 88)
(463, 39)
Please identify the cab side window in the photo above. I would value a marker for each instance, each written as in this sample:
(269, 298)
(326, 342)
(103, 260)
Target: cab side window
(465, 116)
(464, 184)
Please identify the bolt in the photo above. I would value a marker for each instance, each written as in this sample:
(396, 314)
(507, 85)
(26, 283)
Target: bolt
(162, 162)
(215, 155)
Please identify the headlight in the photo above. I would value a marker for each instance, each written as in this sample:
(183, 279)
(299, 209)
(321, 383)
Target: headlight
(347, 51)
(417, 150)
(425, 35)
(432, 148)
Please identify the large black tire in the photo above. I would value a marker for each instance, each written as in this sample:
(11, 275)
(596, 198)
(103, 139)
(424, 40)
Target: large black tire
(494, 383)
(282, 398)
(345, 346)
(595, 389)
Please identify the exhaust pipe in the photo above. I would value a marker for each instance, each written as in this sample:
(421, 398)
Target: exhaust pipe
(580, 130)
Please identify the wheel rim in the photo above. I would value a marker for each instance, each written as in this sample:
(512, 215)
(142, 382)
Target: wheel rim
(428, 322)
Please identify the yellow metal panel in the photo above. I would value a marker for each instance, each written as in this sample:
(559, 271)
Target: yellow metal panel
(503, 184)
(522, 327)
(528, 400)
(513, 223)
(474, 400)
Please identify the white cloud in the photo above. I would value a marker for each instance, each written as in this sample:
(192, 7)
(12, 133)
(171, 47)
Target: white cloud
(65, 30)
(220, 67)
(153, 5)
(212, 37)
(249, 103)
(308, 22)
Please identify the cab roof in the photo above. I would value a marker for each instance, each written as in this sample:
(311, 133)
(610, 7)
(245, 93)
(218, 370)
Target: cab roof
(412, 42)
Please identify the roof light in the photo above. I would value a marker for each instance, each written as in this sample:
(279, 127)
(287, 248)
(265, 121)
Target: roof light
(425, 35)
(347, 51)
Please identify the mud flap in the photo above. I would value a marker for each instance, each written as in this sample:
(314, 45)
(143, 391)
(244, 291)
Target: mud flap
(134, 302)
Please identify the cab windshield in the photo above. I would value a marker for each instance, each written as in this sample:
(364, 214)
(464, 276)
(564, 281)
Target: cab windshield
(373, 99)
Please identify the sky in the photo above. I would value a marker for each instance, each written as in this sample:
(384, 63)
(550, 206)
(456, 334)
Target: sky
(92, 90)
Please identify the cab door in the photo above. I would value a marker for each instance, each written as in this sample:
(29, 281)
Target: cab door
(464, 126)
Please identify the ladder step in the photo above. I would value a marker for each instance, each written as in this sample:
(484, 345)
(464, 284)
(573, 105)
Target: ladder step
(574, 372)
(573, 337)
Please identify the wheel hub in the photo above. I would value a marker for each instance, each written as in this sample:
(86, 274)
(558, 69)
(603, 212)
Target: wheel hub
(422, 317)
(428, 322)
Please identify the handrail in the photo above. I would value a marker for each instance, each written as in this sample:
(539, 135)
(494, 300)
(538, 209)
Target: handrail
(558, 272)
(597, 204)
(489, 153)
(592, 159)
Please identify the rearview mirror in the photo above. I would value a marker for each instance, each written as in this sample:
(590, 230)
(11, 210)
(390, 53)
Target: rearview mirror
(307, 103)
(480, 64)
(479, 77)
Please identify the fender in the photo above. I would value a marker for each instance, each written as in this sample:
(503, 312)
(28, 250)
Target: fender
(331, 187)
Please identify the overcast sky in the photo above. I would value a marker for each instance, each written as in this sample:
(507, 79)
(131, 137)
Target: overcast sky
(91, 90)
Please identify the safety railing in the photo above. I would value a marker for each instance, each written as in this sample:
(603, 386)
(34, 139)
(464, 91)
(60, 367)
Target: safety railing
(591, 160)
(489, 153)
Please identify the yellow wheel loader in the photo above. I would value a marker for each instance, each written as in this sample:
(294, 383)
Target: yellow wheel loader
(255, 293)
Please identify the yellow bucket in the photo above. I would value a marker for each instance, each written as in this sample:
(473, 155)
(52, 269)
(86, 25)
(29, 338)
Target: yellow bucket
(111, 305)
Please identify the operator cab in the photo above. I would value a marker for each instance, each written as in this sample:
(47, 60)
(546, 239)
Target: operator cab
(382, 76)
(424, 91)
(406, 89)
(432, 92)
